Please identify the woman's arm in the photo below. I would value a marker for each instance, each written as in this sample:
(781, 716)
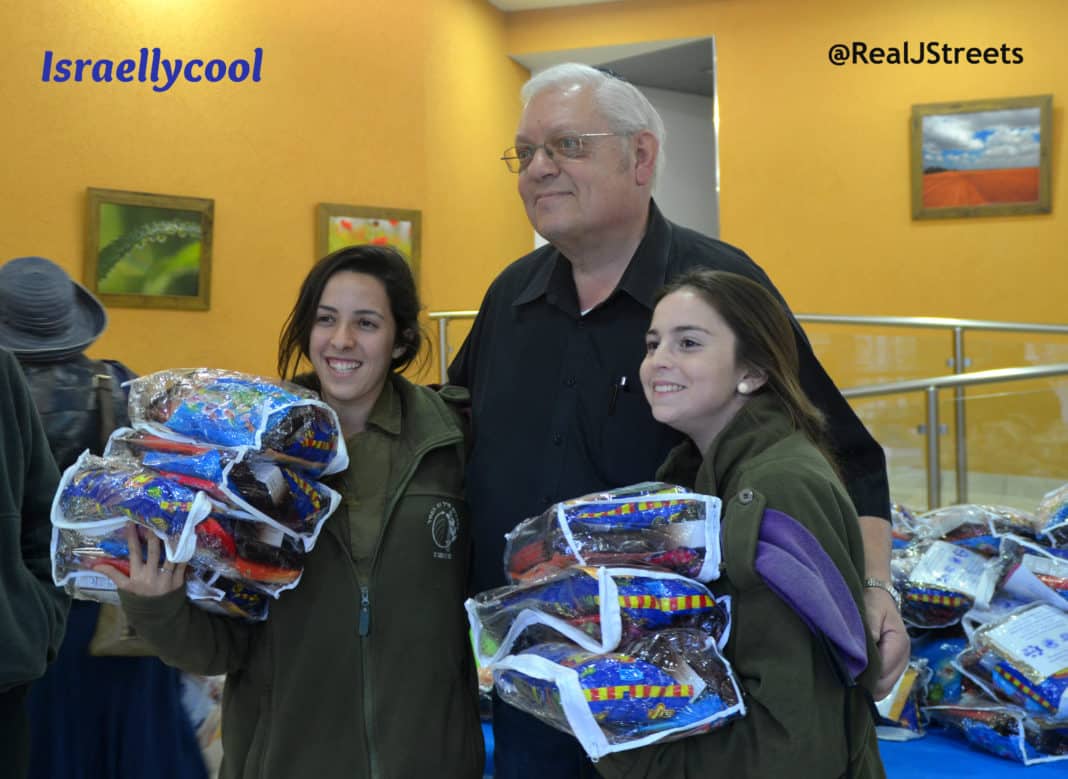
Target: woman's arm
(153, 598)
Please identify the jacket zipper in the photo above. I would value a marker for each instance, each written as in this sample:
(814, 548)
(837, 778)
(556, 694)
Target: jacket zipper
(365, 599)
(365, 662)
(365, 611)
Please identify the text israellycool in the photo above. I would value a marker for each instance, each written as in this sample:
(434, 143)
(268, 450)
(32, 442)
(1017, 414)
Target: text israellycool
(150, 66)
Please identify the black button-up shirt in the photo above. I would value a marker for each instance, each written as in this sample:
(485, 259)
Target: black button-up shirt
(557, 407)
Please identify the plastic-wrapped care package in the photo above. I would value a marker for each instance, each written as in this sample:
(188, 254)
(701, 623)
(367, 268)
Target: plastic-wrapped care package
(226, 408)
(96, 488)
(651, 523)
(939, 582)
(241, 482)
(1022, 658)
(664, 686)
(597, 609)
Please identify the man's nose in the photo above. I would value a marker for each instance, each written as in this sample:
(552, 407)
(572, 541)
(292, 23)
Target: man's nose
(542, 163)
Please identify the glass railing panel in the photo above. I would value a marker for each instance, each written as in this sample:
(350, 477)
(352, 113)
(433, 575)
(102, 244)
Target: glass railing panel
(854, 356)
(985, 350)
(895, 420)
(1017, 441)
(866, 354)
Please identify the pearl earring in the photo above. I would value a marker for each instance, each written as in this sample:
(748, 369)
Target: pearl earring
(743, 388)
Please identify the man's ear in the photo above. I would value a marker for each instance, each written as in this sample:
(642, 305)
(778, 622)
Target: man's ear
(646, 149)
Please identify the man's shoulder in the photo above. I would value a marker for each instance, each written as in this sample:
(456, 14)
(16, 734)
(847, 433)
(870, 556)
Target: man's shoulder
(691, 249)
(517, 274)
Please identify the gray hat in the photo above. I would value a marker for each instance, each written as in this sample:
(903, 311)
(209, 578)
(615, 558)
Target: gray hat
(44, 314)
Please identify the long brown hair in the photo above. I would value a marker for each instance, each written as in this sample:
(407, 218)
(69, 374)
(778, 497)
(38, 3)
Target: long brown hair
(764, 339)
(385, 264)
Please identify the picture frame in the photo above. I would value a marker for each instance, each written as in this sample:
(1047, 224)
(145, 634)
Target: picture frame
(981, 157)
(145, 250)
(339, 225)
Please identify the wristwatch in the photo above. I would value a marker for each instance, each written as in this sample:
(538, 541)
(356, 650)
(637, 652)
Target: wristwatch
(886, 587)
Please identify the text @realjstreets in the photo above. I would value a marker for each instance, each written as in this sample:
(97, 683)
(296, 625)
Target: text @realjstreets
(151, 67)
(923, 53)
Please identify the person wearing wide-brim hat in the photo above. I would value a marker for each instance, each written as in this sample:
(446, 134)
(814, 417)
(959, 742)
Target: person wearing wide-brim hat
(48, 321)
(44, 314)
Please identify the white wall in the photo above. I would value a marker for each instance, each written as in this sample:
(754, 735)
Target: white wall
(687, 190)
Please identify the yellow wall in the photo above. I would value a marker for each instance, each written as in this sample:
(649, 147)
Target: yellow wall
(814, 158)
(474, 216)
(368, 103)
(407, 103)
(814, 184)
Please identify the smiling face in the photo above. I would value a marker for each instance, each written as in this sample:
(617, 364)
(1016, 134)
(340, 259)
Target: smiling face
(582, 201)
(353, 340)
(690, 374)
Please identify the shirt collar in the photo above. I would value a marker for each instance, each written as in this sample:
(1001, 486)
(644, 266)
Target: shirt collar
(646, 272)
(552, 274)
(386, 413)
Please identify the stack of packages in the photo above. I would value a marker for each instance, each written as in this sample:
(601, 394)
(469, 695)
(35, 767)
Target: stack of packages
(607, 631)
(223, 468)
(985, 595)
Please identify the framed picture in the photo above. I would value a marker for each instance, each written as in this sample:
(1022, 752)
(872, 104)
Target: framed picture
(149, 251)
(981, 157)
(339, 226)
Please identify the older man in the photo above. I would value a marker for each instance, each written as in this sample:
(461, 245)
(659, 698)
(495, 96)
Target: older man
(552, 359)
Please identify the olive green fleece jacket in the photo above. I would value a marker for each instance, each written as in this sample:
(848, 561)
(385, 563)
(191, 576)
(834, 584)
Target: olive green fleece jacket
(796, 708)
(33, 611)
(322, 690)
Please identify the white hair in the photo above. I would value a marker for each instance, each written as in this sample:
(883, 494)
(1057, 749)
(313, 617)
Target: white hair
(627, 110)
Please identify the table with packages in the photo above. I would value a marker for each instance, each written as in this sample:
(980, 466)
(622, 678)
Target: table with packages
(935, 756)
(941, 756)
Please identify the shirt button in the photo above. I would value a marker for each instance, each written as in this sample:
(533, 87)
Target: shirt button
(557, 439)
(570, 381)
(745, 497)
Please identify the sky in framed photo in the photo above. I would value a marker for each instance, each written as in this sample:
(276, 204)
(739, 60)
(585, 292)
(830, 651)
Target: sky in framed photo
(351, 230)
(981, 158)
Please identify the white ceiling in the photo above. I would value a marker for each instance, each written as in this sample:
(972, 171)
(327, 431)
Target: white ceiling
(683, 65)
(529, 5)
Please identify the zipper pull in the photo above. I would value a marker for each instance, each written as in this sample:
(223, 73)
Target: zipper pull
(365, 611)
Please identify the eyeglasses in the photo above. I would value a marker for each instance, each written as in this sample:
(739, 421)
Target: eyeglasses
(572, 146)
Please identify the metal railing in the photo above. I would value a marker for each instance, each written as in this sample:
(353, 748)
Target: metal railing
(958, 362)
(958, 381)
(443, 318)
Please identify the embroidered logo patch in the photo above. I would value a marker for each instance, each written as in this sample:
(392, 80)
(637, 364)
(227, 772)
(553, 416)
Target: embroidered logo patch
(444, 524)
